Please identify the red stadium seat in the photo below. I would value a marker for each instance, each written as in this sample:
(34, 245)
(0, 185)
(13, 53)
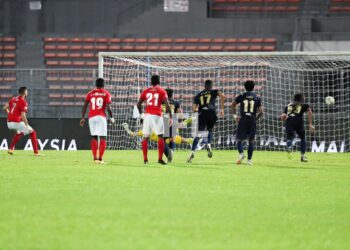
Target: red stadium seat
(10, 47)
(127, 48)
(243, 40)
(216, 48)
(9, 39)
(190, 48)
(177, 48)
(88, 55)
(230, 40)
(101, 47)
(269, 40)
(255, 47)
(140, 48)
(49, 55)
(52, 63)
(166, 40)
(74, 55)
(114, 48)
(49, 47)
(242, 48)
(230, 48)
(204, 40)
(268, 48)
(218, 40)
(78, 63)
(75, 47)
(256, 40)
(62, 47)
(152, 48)
(76, 40)
(203, 48)
(192, 40)
(50, 39)
(65, 63)
(62, 40)
(9, 55)
(128, 40)
(153, 40)
(180, 40)
(62, 55)
(141, 40)
(92, 64)
(101, 40)
(165, 48)
(89, 40)
(114, 40)
(88, 47)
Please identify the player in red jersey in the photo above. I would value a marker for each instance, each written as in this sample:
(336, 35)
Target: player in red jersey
(154, 97)
(98, 100)
(17, 120)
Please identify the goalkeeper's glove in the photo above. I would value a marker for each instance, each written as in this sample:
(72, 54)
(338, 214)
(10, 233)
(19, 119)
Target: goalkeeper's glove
(112, 120)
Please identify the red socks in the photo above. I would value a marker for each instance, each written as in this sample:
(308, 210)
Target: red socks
(160, 148)
(34, 142)
(144, 149)
(102, 147)
(94, 147)
(15, 139)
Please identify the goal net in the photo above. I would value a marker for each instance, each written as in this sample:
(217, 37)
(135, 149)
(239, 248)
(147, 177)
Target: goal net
(278, 76)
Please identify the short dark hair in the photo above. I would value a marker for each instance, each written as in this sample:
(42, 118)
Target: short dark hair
(100, 83)
(298, 97)
(208, 83)
(249, 85)
(169, 93)
(21, 90)
(155, 80)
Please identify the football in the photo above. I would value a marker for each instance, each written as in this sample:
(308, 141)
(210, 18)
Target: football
(329, 100)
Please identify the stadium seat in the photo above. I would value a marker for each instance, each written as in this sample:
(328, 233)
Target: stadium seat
(128, 40)
(140, 48)
(76, 40)
(166, 40)
(89, 40)
(165, 48)
(153, 48)
(61, 40)
(62, 47)
(141, 40)
(154, 40)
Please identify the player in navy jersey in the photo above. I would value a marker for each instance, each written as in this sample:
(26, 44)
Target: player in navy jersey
(175, 108)
(293, 116)
(251, 110)
(205, 105)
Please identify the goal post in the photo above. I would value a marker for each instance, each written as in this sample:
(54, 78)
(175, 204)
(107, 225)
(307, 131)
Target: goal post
(277, 75)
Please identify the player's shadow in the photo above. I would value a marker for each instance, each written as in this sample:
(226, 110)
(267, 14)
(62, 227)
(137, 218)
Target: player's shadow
(197, 166)
(291, 167)
(135, 166)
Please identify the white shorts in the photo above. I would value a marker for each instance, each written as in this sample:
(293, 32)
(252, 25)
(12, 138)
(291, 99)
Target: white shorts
(98, 125)
(20, 127)
(152, 123)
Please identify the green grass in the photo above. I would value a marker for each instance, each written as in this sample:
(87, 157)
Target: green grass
(63, 201)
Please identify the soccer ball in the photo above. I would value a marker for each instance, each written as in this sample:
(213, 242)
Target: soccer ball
(329, 100)
(178, 139)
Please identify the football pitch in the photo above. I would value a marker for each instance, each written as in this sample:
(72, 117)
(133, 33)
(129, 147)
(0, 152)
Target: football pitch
(64, 201)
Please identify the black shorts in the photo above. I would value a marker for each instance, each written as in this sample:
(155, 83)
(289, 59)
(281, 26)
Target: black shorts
(246, 128)
(206, 120)
(292, 128)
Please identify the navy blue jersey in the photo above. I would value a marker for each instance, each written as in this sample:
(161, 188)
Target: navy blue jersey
(174, 106)
(295, 112)
(206, 100)
(249, 104)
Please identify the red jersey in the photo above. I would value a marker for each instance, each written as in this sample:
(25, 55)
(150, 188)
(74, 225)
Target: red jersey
(17, 105)
(98, 99)
(154, 97)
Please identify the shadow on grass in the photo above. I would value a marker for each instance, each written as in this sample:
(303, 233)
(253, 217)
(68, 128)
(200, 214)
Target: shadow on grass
(291, 167)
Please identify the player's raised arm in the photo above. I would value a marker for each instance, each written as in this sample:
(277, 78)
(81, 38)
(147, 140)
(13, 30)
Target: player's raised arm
(6, 108)
(222, 103)
(82, 121)
(309, 117)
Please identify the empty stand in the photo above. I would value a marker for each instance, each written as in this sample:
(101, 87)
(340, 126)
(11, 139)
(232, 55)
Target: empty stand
(339, 6)
(255, 6)
(83, 52)
(8, 52)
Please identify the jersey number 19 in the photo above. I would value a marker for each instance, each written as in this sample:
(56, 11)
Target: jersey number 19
(97, 103)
